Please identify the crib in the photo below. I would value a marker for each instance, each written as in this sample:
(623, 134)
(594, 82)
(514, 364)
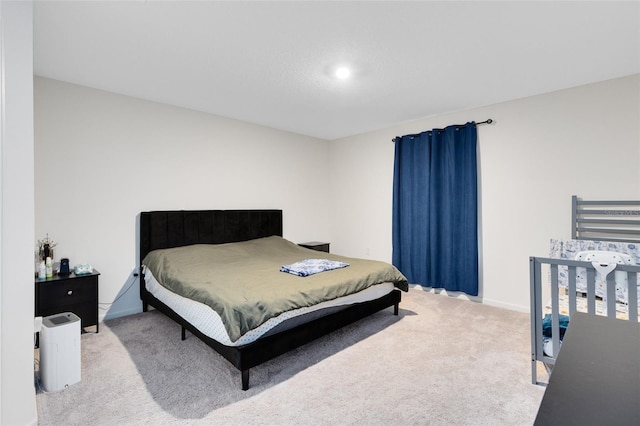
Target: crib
(597, 272)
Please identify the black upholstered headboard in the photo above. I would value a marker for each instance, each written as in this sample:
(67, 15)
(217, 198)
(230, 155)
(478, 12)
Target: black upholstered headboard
(166, 229)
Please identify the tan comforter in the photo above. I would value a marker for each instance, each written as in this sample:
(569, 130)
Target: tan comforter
(242, 281)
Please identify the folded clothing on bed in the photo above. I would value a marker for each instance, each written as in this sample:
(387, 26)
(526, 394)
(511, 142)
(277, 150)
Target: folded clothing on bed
(307, 267)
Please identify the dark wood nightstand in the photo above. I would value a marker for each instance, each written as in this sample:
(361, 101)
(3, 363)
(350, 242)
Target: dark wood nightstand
(316, 245)
(69, 293)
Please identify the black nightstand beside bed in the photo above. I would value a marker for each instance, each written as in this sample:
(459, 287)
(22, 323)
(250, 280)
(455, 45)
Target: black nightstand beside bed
(596, 378)
(69, 293)
(316, 245)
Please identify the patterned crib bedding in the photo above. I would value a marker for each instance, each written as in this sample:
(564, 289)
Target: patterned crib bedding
(598, 252)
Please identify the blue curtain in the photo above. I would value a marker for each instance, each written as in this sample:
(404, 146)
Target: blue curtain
(435, 208)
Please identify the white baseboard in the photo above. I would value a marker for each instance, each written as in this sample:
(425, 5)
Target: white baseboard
(508, 306)
(477, 299)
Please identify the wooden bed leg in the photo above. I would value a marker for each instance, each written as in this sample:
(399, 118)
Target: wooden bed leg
(184, 333)
(245, 379)
(395, 309)
(145, 307)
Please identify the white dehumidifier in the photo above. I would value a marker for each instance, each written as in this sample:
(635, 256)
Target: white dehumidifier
(60, 351)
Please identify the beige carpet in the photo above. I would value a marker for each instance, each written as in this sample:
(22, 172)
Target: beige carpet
(441, 361)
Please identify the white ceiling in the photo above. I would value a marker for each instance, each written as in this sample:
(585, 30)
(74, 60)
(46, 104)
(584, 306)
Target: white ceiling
(271, 63)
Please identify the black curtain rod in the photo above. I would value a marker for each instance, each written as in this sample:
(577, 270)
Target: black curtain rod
(487, 121)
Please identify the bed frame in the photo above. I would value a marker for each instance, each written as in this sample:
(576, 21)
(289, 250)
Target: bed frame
(614, 221)
(166, 229)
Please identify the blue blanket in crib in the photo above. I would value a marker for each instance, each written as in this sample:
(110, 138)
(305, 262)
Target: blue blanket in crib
(307, 267)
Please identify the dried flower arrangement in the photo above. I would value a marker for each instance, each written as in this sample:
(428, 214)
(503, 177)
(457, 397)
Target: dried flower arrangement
(45, 248)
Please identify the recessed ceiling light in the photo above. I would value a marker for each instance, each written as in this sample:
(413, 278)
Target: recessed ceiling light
(343, 73)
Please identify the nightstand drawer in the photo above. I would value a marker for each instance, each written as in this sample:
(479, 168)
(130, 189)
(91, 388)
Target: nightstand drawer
(68, 292)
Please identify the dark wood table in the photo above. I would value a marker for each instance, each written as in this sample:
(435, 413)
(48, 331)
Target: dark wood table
(596, 378)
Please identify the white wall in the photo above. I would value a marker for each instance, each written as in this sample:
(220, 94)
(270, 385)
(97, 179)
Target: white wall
(102, 158)
(539, 151)
(17, 393)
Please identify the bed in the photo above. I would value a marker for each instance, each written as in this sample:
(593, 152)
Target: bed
(595, 272)
(258, 331)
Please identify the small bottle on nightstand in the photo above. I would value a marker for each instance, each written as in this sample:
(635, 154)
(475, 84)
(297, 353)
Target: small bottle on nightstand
(42, 271)
(48, 268)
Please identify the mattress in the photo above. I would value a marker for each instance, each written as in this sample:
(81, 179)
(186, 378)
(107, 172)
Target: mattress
(244, 282)
(210, 324)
